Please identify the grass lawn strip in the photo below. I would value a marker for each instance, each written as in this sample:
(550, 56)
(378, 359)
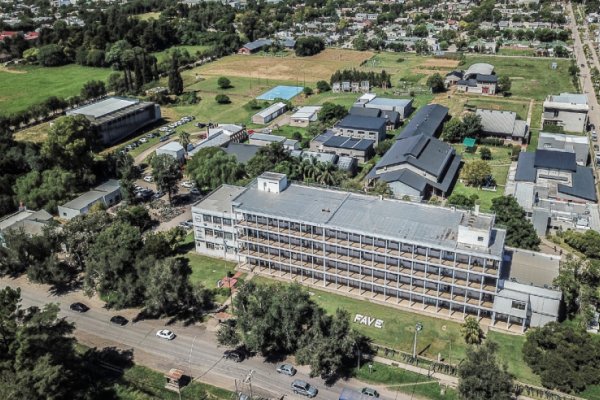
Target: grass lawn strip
(437, 337)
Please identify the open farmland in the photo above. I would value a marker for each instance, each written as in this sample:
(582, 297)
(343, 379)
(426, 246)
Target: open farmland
(24, 86)
(290, 68)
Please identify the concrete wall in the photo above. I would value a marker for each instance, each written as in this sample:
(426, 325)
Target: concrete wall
(116, 130)
(361, 134)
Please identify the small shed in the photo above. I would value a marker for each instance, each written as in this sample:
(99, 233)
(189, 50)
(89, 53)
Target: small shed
(469, 144)
(175, 380)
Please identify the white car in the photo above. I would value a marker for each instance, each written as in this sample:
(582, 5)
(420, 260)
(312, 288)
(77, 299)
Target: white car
(187, 184)
(148, 178)
(144, 140)
(165, 334)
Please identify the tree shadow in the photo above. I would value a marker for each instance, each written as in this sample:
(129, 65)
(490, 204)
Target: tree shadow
(59, 289)
(101, 369)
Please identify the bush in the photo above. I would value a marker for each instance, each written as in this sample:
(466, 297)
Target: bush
(222, 99)
(491, 141)
(323, 86)
(485, 153)
(224, 83)
(253, 105)
(399, 60)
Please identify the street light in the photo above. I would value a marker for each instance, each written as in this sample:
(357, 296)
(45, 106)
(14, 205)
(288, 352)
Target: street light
(418, 328)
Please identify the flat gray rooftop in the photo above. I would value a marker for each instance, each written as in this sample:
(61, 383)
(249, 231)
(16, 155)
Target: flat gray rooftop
(84, 200)
(220, 200)
(532, 268)
(369, 215)
(104, 107)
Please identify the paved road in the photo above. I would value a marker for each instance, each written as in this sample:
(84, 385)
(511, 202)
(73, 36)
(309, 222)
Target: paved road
(588, 88)
(194, 349)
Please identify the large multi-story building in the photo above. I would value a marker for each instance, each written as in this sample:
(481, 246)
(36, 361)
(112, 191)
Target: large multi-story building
(567, 110)
(437, 260)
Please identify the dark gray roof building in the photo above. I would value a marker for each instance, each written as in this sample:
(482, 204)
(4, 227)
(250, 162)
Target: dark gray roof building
(556, 175)
(243, 152)
(417, 166)
(360, 122)
(428, 120)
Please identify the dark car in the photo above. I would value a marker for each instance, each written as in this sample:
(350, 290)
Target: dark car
(119, 320)
(234, 355)
(79, 307)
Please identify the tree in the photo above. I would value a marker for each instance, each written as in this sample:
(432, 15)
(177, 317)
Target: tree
(211, 167)
(307, 91)
(471, 331)
(175, 81)
(222, 99)
(93, 89)
(37, 351)
(184, 139)
(51, 55)
(564, 356)
(70, 144)
(110, 265)
(504, 84)
(453, 131)
(436, 83)
(308, 46)
(323, 86)
(476, 172)
(462, 200)
(519, 231)
(45, 190)
(486, 153)
(166, 172)
(579, 281)
(383, 146)
(331, 112)
(480, 376)
(227, 334)
(471, 125)
(224, 83)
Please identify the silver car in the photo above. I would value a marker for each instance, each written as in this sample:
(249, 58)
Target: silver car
(303, 388)
(286, 369)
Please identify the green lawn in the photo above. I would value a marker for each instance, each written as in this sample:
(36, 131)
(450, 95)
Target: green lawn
(521, 107)
(485, 197)
(32, 84)
(208, 270)
(140, 383)
(515, 52)
(148, 15)
(191, 49)
(591, 393)
(437, 337)
(405, 381)
(531, 77)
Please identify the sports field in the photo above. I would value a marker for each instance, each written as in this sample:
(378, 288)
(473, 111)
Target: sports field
(22, 87)
(289, 68)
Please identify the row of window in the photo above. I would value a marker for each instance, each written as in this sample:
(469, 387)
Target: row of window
(218, 234)
(216, 220)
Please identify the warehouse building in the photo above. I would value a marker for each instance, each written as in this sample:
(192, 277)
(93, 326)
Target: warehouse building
(115, 118)
(172, 149)
(109, 194)
(445, 262)
(269, 114)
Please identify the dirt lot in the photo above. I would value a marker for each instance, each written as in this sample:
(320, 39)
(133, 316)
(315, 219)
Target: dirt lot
(320, 66)
(439, 62)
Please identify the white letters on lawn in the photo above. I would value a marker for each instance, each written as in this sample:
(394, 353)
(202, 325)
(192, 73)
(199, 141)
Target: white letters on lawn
(369, 321)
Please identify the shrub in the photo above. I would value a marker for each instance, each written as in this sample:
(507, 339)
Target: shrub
(224, 83)
(222, 99)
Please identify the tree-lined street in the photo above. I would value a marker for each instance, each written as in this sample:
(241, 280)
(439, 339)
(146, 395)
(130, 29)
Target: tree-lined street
(194, 349)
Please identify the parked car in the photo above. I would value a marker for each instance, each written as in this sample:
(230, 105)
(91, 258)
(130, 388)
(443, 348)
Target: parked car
(303, 388)
(165, 334)
(195, 191)
(367, 391)
(148, 178)
(119, 320)
(187, 184)
(164, 138)
(185, 225)
(286, 369)
(234, 355)
(79, 307)
(143, 140)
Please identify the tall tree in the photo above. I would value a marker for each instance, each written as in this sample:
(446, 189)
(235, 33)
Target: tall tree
(436, 83)
(175, 80)
(480, 376)
(211, 167)
(476, 172)
(166, 172)
(184, 139)
(519, 231)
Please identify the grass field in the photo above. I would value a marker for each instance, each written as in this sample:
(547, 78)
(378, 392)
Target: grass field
(437, 337)
(192, 50)
(505, 51)
(207, 270)
(290, 68)
(412, 68)
(24, 86)
(531, 77)
(148, 15)
(405, 381)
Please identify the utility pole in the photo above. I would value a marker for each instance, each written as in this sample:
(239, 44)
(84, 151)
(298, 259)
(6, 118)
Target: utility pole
(418, 328)
(248, 380)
